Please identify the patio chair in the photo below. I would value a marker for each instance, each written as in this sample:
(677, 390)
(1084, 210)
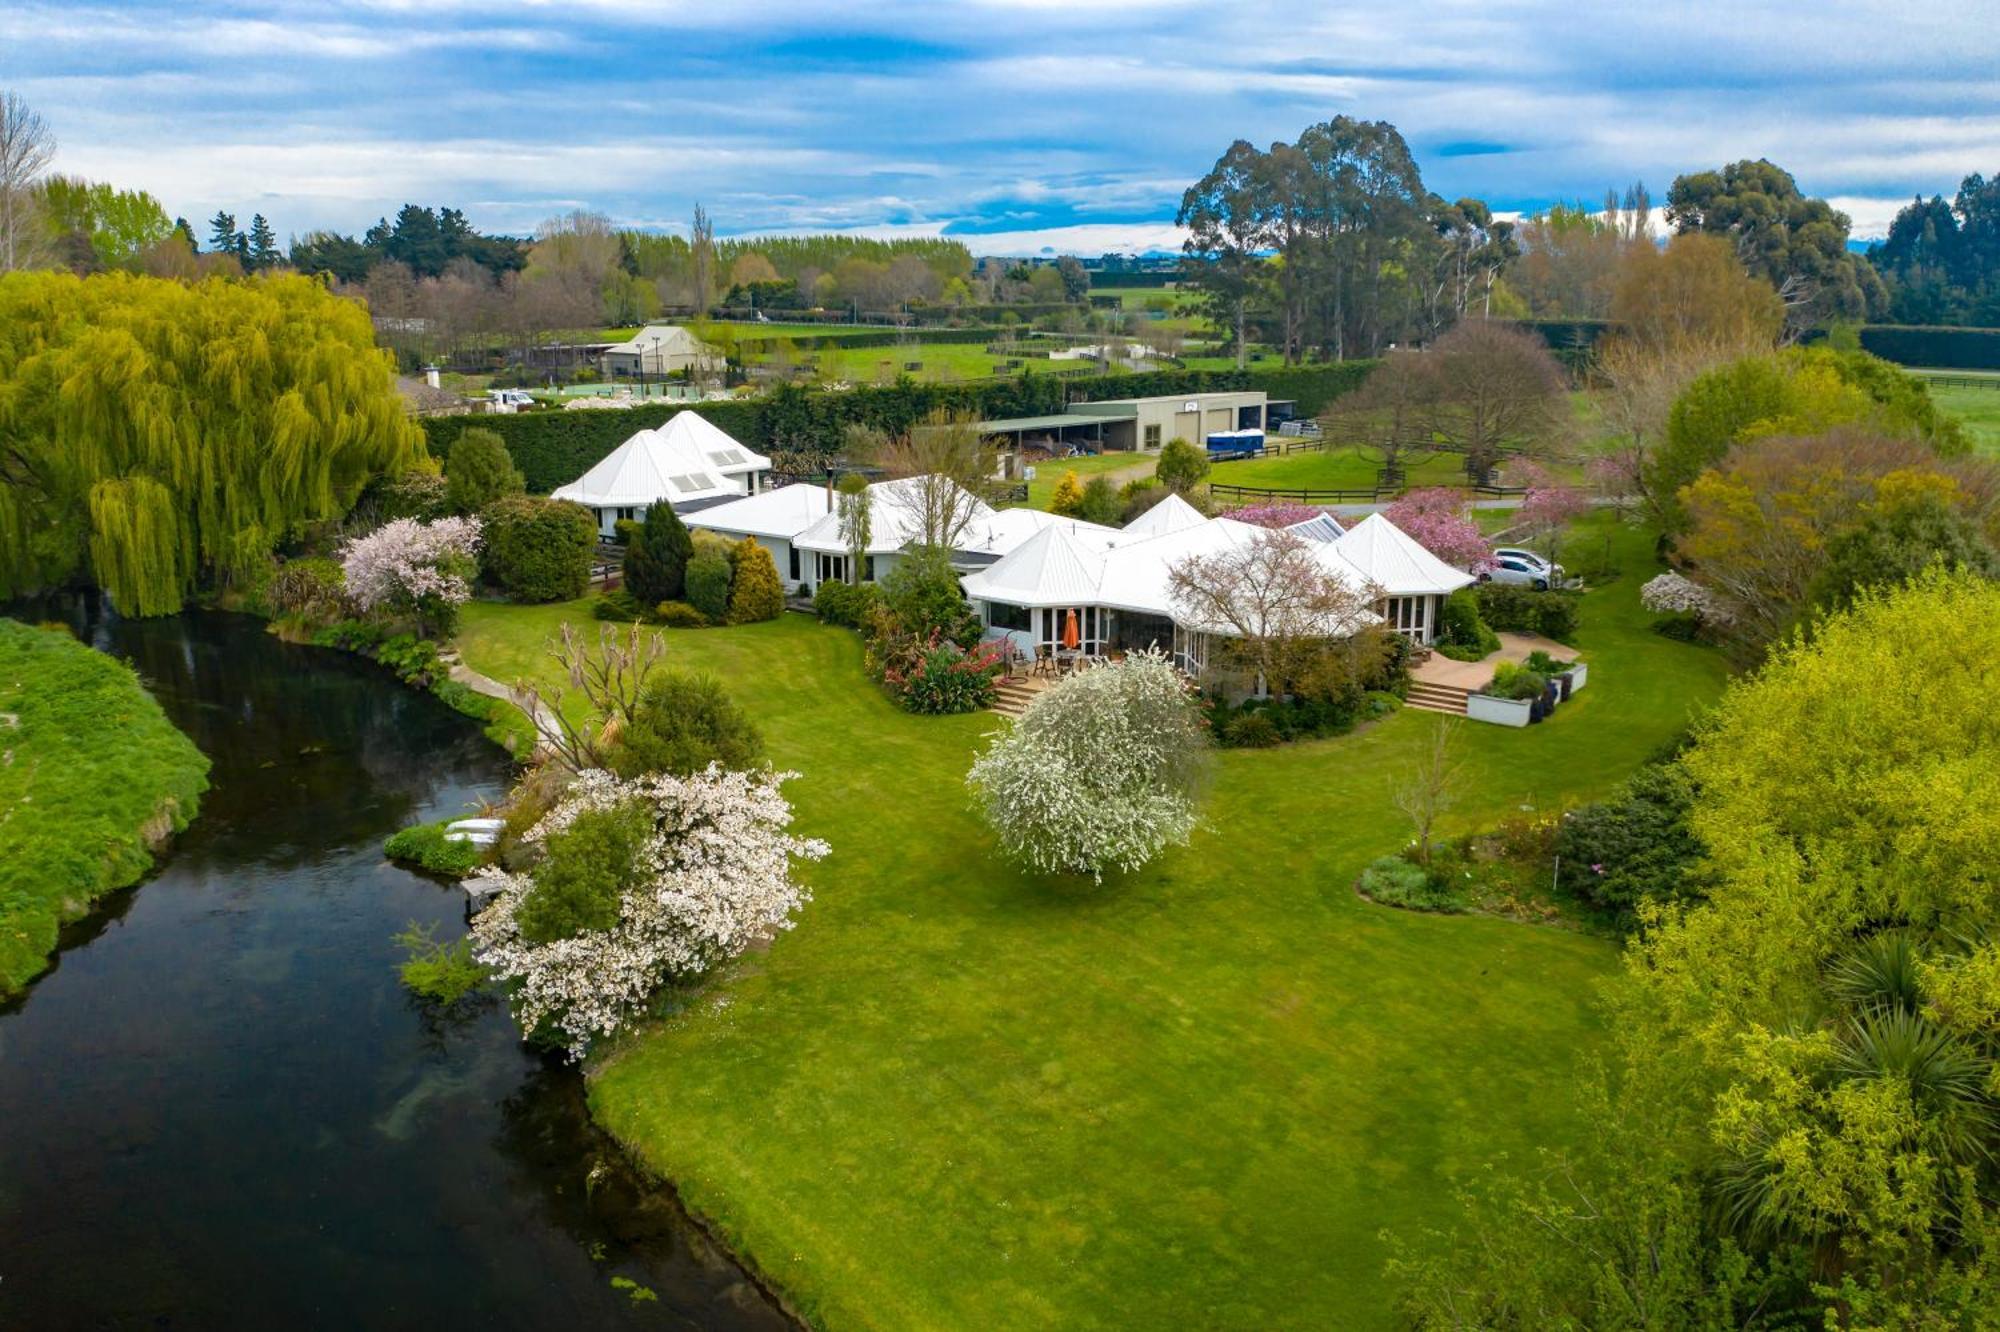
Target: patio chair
(1044, 660)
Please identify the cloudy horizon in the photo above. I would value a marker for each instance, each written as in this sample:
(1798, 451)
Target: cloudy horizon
(1017, 126)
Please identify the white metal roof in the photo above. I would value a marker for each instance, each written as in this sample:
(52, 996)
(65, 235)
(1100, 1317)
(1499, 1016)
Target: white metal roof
(784, 512)
(1172, 514)
(683, 460)
(895, 519)
(1394, 561)
(1061, 568)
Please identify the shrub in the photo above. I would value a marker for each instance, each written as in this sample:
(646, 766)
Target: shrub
(1634, 848)
(426, 846)
(586, 867)
(756, 594)
(312, 590)
(1515, 681)
(1394, 881)
(681, 725)
(1182, 466)
(414, 660)
(937, 677)
(621, 607)
(657, 555)
(1525, 610)
(1251, 730)
(443, 973)
(846, 603)
(1462, 634)
(679, 615)
(1068, 496)
(1139, 496)
(539, 549)
(1102, 771)
(1100, 503)
(412, 494)
(923, 594)
(708, 585)
(479, 471)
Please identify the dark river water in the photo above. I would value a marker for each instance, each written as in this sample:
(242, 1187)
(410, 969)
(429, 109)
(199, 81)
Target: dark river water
(220, 1109)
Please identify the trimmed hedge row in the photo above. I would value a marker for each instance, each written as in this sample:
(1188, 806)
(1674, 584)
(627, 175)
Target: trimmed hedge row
(554, 447)
(1937, 347)
(870, 337)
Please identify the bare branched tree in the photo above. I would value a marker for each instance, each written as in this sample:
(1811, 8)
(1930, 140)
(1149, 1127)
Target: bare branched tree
(27, 146)
(1277, 610)
(1432, 782)
(611, 680)
(949, 469)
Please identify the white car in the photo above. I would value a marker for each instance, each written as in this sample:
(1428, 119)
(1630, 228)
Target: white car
(1510, 566)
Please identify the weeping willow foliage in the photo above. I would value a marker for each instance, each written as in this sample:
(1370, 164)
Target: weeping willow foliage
(154, 434)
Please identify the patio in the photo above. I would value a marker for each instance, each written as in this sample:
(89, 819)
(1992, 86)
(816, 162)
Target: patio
(1442, 671)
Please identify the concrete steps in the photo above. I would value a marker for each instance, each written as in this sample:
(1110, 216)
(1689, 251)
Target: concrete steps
(1012, 697)
(1428, 697)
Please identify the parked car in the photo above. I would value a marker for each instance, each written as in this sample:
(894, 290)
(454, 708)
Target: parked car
(1510, 568)
(1551, 571)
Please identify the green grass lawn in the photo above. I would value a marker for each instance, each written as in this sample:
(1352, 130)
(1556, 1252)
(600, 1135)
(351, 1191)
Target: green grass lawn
(1978, 408)
(1049, 474)
(1334, 468)
(91, 774)
(956, 1096)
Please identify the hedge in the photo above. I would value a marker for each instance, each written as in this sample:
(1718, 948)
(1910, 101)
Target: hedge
(555, 447)
(1937, 347)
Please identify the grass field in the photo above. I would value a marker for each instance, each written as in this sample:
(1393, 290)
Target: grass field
(91, 772)
(1978, 408)
(956, 1096)
(1049, 475)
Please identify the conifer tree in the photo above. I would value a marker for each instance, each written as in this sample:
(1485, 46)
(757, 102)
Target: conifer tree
(756, 594)
(1068, 497)
(656, 560)
(479, 470)
(262, 249)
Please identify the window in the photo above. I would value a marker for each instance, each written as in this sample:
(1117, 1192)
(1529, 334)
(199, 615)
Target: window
(1152, 437)
(1000, 615)
(796, 575)
(1409, 616)
(832, 569)
(1092, 623)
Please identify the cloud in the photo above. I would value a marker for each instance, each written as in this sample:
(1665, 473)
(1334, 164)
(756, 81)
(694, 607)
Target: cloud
(1015, 123)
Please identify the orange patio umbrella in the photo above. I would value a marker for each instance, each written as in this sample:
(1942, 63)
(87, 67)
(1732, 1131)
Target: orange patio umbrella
(1071, 638)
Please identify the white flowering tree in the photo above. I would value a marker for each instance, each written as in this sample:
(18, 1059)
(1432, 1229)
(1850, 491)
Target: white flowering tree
(1672, 594)
(711, 875)
(422, 571)
(1103, 771)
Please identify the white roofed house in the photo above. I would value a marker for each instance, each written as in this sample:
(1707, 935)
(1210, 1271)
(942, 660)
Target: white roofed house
(773, 518)
(689, 463)
(1413, 582)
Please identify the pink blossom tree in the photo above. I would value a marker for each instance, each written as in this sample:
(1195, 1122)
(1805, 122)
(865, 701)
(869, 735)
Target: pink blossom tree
(1549, 508)
(1436, 520)
(1273, 515)
(421, 571)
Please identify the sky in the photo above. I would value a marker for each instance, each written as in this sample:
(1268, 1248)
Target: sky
(1018, 126)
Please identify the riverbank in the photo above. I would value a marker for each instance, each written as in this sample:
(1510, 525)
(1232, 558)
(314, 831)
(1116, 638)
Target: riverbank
(94, 781)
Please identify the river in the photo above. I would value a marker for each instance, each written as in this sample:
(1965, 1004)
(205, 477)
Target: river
(221, 1110)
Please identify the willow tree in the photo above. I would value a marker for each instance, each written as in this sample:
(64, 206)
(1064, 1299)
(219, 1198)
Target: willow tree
(155, 435)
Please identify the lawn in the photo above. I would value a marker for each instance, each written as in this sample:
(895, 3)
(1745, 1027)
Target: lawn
(92, 777)
(1978, 408)
(1123, 466)
(1333, 468)
(956, 1096)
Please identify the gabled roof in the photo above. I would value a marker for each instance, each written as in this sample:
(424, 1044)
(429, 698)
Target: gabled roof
(1391, 559)
(782, 513)
(684, 460)
(1172, 514)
